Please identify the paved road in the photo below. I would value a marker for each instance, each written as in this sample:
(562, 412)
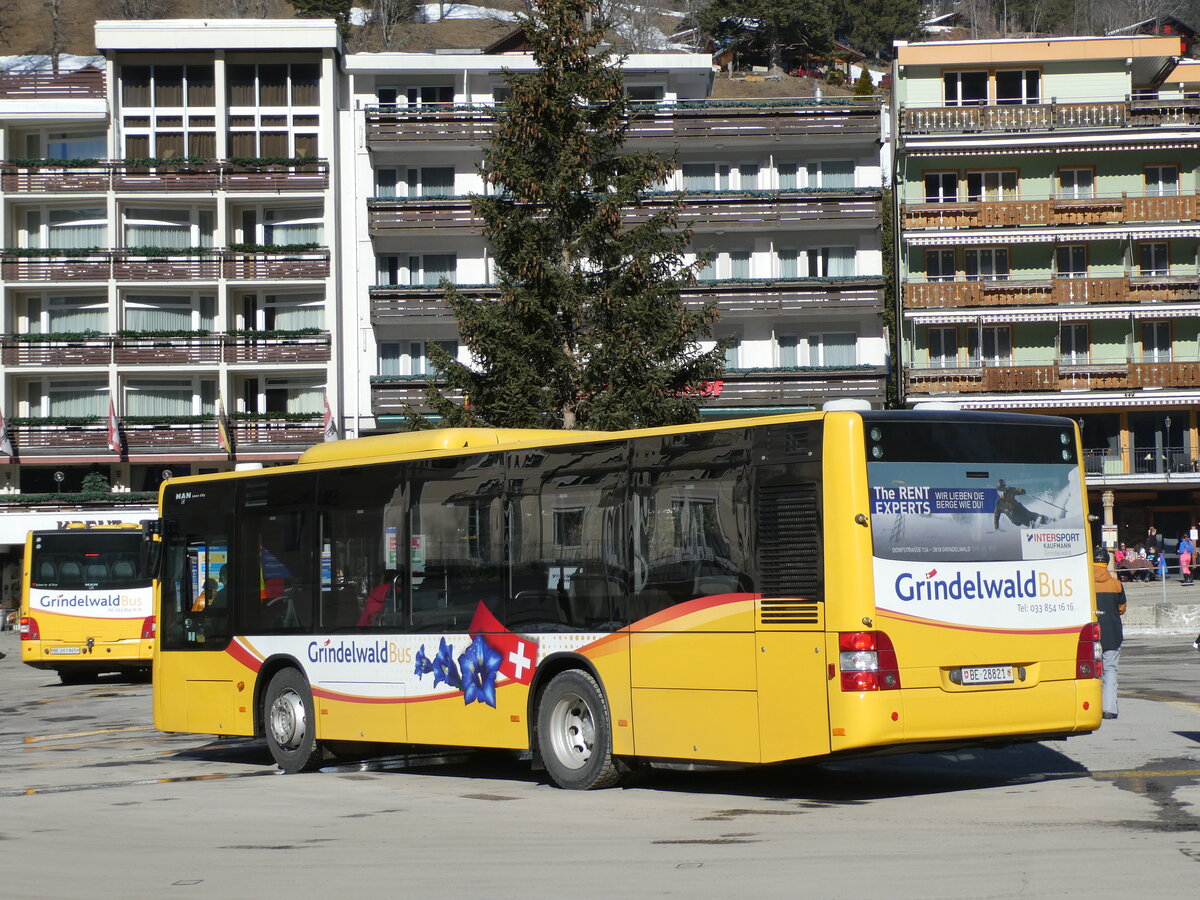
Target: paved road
(95, 803)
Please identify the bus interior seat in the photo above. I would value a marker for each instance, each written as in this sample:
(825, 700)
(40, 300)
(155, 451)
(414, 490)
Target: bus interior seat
(123, 569)
(47, 572)
(96, 572)
(70, 573)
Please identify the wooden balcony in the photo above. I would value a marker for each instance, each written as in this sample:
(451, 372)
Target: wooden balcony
(394, 304)
(1130, 288)
(151, 351)
(1046, 117)
(208, 176)
(148, 439)
(702, 211)
(1116, 375)
(123, 265)
(399, 127)
(87, 82)
(749, 388)
(1116, 210)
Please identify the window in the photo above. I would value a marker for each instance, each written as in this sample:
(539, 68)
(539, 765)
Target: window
(748, 177)
(430, 182)
(987, 264)
(1156, 341)
(429, 269)
(789, 346)
(403, 358)
(943, 347)
(65, 145)
(1074, 345)
(739, 264)
(67, 315)
(939, 264)
(831, 262)
(1076, 184)
(430, 95)
(1020, 86)
(1071, 261)
(66, 229)
(833, 349)
(273, 109)
(281, 226)
(197, 557)
(150, 312)
(176, 229)
(832, 175)
(69, 398)
(990, 345)
(733, 354)
(645, 93)
(992, 185)
(173, 111)
(261, 394)
(1153, 258)
(1162, 181)
(171, 397)
(705, 177)
(788, 176)
(941, 187)
(787, 262)
(282, 312)
(965, 88)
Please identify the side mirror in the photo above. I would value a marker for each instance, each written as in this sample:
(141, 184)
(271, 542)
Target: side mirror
(150, 550)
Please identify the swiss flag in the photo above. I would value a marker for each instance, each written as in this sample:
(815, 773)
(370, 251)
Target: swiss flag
(518, 654)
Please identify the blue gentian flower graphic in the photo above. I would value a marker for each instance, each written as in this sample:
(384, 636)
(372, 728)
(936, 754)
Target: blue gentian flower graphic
(444, 669)
(479, 665)
(423, 666)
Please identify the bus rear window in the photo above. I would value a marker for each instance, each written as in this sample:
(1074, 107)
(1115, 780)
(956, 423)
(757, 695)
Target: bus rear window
(86, 560)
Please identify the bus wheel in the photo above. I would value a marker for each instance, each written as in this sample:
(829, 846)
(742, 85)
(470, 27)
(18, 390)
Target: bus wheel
(574, 732)
(289, 722)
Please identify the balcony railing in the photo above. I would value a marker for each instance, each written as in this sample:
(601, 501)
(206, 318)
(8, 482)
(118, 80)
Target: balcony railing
(1116, 209)
(395, 303)
(96, 176)
(142, 439)
(1128, 288)
(52, 85)
(748, 388)
(1103, 461)
(393, 126)
(104, 350)
(989, 377)
(125, 265)
(1053, 116)
(700, 209)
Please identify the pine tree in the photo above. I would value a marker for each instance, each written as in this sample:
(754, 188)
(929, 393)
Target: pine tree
(770, 25)
(589, 330)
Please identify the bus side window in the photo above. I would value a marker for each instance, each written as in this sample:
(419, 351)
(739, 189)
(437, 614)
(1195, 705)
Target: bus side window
(282, 575)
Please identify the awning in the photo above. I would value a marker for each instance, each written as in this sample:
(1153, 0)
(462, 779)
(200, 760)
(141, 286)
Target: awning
(1081, 399)
(959, 236)
(964, 149)
(1052, 314)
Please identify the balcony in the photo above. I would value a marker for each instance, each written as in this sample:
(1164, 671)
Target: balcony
(183, 349)
(1157, 461)
(400, 127)
(87, 82)
(1106, 115)
(1063, 375)
(394, 304)
(737, 388)
(700, 210)
(99, 176)
(171, 437)
(1129, 288)
(199, 265)
(1116, 209)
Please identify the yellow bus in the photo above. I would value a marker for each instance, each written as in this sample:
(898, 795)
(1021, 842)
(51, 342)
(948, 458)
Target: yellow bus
(85, 607)
(744, 592)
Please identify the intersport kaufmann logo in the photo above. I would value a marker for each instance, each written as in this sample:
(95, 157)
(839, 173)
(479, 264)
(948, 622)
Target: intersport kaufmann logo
(1050, 543)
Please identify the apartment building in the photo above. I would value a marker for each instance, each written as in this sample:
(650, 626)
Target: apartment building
(1047, 198)
(237, 215)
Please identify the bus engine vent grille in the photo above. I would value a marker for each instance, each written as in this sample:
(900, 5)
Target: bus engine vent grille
(789, 612)
(789, 541)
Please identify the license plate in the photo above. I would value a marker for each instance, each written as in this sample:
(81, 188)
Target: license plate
(64, 651)
(987, 675)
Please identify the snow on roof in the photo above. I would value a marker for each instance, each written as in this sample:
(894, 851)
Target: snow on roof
(41, 63)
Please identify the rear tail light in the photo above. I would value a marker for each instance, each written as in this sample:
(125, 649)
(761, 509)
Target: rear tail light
(149, 628)
(868, 661)
(1089, 653)
(29, 629)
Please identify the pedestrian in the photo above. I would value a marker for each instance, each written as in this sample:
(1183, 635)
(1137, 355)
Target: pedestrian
(1110, 606)
(1187, 550)
(1154, 540)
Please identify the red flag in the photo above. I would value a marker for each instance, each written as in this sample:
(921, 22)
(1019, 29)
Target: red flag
(518, 654)
(114, 430)
(5, 441)
(331, 430)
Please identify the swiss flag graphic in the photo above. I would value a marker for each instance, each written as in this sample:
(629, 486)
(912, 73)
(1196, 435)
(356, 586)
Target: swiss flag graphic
(518, 655)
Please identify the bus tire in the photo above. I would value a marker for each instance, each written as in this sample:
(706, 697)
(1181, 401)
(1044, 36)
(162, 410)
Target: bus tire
(574, 732)
(289, 722)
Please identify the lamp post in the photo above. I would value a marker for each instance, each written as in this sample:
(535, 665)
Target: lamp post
(1167, 425)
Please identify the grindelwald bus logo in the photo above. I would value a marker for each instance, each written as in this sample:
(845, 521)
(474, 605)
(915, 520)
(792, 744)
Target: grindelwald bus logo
(1020, 585)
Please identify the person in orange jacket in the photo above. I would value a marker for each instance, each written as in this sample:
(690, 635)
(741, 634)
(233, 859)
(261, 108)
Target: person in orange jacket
(1110, 606)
